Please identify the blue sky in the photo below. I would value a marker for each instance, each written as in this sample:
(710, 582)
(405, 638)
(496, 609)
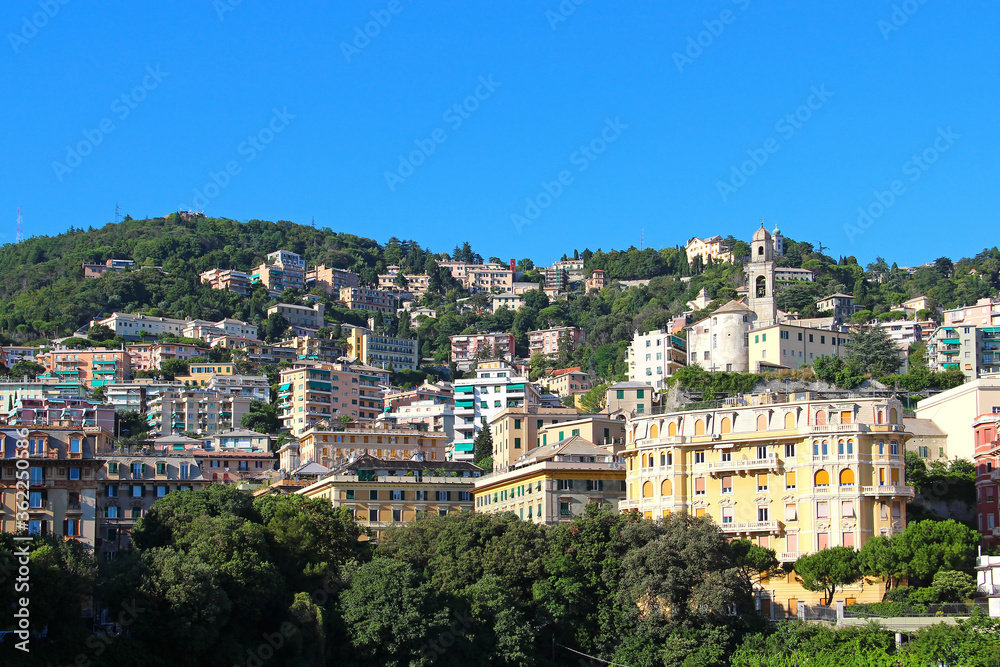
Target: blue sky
(584, 126)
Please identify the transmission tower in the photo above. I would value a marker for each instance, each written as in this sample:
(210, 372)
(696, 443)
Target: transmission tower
(18, 224)
(118, 213)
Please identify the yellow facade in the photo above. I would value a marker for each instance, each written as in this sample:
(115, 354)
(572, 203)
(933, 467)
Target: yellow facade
(794, 473)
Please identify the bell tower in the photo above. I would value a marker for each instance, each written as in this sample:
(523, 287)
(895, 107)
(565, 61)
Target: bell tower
(760, 278)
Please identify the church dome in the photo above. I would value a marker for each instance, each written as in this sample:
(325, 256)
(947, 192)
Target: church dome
(762, 234)
(776, 232)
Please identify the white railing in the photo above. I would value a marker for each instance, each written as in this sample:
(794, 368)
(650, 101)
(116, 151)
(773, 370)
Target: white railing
(771, 462)
(888, 490)
(791, 556)
(839, 428)
(749, 527)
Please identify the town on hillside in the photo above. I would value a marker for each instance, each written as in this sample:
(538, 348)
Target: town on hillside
(814, 412)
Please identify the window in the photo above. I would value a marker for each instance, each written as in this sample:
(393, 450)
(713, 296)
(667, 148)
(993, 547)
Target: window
(137, 490)
(727, 457)
(761, 452)
(727, 484)
(699, 457)
(823, 510)
(564, 508)
(790, 480)
(35, 475)
(185, 470)
(137, 469)
(373, 494)
(111, 512)
(112, 467)
(35, 500)
(74, 445)
(161, 491)
(565, 484)
(136, 513)
(762, 514)
(161, 468)
(397, 494)
(791, 512)
(443, 496)
(699, 486)
(595, 485)
(397, 515)
(894, 448)
(74, 473)
(847, 509)
(727, 515)
(373, 515)
(762, 482)
(790, 451)
(620, 394)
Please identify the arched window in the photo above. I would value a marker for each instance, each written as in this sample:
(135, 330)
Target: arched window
(760, 250)
(647, 490)
(672, 428)
(821, 417)
(761, 422)
(893, 415)
(847, 477)
(726, 426)
(878, 417)
(761, 286)
(840, 446)
(666, 488)
(850, 446)
(654, 431)
(789, 420)
(822, 478)
(699, 427)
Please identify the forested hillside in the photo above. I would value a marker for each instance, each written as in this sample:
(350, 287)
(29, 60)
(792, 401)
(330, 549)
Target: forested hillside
(43, 293)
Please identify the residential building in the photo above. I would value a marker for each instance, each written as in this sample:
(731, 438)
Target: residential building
(713, 247)
(417, 283)
(128, 485)
(903, 332)
(987, 448)
(428, 415)
(701, 301)
(254, 387)
(235, 466)
(548, 342)
(790, 274)
(792, 346)
(507, 300)
(985, 313)
(573, 268)
(382, 493)
(382, 350)
(629, 397)
(309, 317)
(554, 483)
(311, 394)
(62, 483)
(50, 411)
(94, 367)
(229, 280)
(293, 266)
(12, 390)
(134, 326)
(150, 356)
(126, 396)
(11, 354)
(953, 411)
(466, 349)
(487, 278)
(225, 327)
(601, 429)
(113, 265)
(556, 278)
(654, 356)
(927, 440)
(199, 374)
(495, 388)
(256, 353)
(440, 393)
(596, 281)
(973, 349)
(796, 473)
(242, 439)
(330, 443)
(177, 411)
(915, 305)
(841, 306)
(365, 298)
(310, 348)
(515, 430)
(566, 381)
(330, 279)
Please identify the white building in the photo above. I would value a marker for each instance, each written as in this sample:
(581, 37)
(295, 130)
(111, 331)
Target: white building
(653, 357)
(130, 325)
(495, 388)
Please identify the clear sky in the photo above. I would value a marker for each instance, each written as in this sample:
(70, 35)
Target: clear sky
(578, 125)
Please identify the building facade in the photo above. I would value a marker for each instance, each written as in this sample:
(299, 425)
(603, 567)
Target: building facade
(365, 298)
(554, 483)
(229, 280)
(653, 357)
(548, 342)
(309, 317)
(331, 280)
(495, 388)
(466, 349)
(381, 350)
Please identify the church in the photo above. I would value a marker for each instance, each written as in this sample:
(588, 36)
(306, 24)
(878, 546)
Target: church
(751, 335)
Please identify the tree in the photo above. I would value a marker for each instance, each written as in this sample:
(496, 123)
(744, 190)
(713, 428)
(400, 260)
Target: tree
(131, 424)
(827, 570)
(930, 546)
(953, 586)
(755, 563)
(25, 368)
(262, 417)
(536, 365)
(882, 558)
(274, 327)
(100, 332)
(593, 400)
(872, 351)
(483, 448)
(173, 368)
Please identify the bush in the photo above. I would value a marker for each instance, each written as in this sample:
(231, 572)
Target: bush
(953, 586)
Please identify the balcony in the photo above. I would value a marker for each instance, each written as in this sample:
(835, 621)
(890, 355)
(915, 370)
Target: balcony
(751, 527)
(838, 428)
(791, 556)
(888, 490)
(769, 463)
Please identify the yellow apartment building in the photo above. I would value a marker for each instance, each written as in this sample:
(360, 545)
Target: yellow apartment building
(796, 473)
(387, 493)
(515, 430)
(792, 346)
(332, 445)
(554, 483)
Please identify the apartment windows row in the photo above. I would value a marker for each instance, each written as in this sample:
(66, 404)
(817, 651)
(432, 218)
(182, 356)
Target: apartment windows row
(402, 495)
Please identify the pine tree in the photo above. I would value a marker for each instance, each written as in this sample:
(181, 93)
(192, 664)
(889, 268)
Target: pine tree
(483, 449)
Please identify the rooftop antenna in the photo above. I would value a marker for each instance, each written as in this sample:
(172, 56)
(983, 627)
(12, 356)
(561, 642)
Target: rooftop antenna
(18, 224)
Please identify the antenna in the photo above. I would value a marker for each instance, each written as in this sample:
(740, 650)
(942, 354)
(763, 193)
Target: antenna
(118, 213)
(641, 232)
(18, 224)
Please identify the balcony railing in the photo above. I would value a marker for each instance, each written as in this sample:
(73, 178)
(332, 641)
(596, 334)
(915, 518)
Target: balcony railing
(839, 428)
(750, 527)
(888, 490)
(769, 463)
(791, 556)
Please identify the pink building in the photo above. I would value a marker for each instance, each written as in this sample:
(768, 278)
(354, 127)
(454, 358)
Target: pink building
(987, 448)
(438, 394)
(149, 356)
(467, 348)
(547, 341)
